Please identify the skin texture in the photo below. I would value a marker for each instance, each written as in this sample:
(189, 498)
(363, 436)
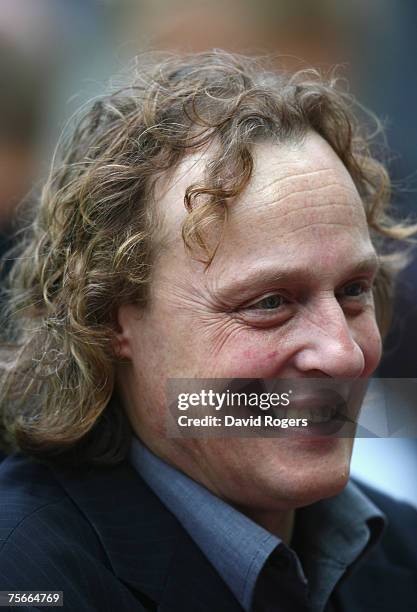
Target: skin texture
(297, 233)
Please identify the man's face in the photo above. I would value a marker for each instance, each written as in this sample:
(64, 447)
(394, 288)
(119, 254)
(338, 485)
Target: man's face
(288, 295)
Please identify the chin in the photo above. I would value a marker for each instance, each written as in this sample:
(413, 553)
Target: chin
(290, 490)
(307, 488)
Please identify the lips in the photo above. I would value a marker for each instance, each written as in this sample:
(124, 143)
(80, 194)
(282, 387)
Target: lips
(317, 408)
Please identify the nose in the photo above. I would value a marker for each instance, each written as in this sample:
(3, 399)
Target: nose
(328, 346)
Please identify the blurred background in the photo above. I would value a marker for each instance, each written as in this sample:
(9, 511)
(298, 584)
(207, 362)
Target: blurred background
(57, 54)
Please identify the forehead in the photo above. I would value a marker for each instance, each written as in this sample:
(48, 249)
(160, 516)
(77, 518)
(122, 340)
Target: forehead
(300, 203)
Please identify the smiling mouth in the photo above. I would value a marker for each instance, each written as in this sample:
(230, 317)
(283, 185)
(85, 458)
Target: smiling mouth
(327, 414)
(314, 408)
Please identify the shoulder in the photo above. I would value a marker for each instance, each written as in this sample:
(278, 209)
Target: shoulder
(400, 535)
(29, 493)
(46, 543)
(26, 489)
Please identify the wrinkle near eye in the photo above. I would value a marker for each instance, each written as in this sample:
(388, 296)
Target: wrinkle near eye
(219, 331)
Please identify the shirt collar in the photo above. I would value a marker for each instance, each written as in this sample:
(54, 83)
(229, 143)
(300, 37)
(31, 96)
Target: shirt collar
(332, 536)
(343, 527)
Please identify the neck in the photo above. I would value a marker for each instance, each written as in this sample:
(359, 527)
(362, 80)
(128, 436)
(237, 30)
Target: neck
(280, 523)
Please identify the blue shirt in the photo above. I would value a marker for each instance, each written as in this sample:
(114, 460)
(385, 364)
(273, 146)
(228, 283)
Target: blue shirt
(330, 535)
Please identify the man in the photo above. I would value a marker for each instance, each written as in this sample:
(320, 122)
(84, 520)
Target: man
(266, 182)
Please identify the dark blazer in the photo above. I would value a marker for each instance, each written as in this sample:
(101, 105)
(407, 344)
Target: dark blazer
(102, 537)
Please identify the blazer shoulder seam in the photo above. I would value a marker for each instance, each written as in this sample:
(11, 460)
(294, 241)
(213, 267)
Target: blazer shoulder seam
(27, 517)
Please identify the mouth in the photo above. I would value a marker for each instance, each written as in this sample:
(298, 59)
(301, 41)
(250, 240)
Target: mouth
(314, 409)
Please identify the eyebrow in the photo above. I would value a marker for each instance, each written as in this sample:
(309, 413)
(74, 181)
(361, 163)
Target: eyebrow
(263, 276)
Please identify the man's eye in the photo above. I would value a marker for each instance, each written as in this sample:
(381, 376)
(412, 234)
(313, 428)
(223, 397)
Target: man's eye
(271, 302)
(356, 289)
(272, 310)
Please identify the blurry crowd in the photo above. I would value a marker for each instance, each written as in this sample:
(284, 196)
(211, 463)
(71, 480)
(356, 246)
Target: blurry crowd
(54, 54)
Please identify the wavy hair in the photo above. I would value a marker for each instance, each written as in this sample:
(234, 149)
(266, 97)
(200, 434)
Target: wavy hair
(95, 234)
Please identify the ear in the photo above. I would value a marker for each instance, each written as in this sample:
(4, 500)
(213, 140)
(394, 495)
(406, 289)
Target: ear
(127, 320)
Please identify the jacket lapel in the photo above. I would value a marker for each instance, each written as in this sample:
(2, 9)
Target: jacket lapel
(146, 546)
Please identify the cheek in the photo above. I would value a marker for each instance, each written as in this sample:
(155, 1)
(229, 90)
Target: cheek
(256, 358)
(231, 351)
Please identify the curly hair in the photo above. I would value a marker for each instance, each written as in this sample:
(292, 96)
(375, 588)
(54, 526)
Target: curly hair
(95, 234)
